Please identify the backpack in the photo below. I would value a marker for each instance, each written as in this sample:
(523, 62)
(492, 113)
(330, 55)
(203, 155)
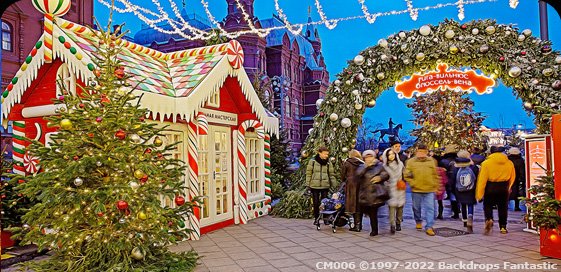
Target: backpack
(465, 179)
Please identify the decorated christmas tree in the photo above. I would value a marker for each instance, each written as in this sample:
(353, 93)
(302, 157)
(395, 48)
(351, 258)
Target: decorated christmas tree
(111, 194)
(542, 206)
(446, 117)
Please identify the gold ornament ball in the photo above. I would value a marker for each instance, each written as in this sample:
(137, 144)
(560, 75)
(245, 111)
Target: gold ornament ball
(420, 56)
(344, 149)
(137, 254)
(158, 142)
(453, 49)
(332, 159)
(65, 124)
(371, 103)
(138, 174)
(528, 106)
(142, 215)
(305, 153)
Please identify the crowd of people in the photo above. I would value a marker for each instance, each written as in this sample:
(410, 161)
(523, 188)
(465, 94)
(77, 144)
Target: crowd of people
(465, 178)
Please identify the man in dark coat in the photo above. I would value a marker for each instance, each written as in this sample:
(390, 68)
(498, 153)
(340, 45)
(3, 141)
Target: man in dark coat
(476, 156)
(371, 175)
(518, 188)
(352, 187)
(396, 146)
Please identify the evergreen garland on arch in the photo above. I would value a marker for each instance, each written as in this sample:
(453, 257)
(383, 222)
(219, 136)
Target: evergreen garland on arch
(519, 60)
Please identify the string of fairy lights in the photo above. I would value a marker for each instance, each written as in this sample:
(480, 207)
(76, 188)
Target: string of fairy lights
(181, 27)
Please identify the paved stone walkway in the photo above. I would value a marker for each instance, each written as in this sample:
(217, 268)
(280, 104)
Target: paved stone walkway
(278, 244)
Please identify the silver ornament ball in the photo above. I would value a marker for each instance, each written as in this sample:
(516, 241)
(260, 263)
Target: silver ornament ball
(333, 117)
(358, 60)
(345, 122)
(78, 182)
(425, 30)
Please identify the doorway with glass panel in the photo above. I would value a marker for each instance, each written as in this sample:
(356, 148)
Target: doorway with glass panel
(215, 176)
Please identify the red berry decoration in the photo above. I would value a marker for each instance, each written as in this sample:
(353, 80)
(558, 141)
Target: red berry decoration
(523, 53)
(120, 134)
(170, 223)
(127, 211)
(163, 181)
(76, 158)
(100, 214)
(97, 72)
(120, 73)
(502, 58)
(122, 205)
(81, 105)
(104, 99)
(464, 26)
(179, 200)
(144, 178)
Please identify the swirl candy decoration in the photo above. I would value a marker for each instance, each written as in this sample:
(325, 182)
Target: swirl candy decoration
(54, 7)
(194, 222)
(30, 163)
(235, 54)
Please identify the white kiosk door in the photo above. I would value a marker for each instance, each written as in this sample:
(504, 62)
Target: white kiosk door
(215, 175)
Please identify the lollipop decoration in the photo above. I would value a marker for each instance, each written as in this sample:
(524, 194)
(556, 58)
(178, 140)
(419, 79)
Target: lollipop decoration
(50, 8)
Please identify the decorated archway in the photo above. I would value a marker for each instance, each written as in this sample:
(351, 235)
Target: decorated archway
(515, 58)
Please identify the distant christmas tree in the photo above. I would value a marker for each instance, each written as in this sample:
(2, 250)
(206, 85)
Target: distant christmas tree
(111, 196)
(446, 117)
(14, 204)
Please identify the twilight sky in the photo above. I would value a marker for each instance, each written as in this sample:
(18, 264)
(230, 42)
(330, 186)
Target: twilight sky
(350, 37)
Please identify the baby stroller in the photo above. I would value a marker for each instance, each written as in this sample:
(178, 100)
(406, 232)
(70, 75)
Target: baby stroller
(333, 211)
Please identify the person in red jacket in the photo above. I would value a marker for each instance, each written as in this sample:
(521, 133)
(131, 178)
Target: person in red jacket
(495, 179)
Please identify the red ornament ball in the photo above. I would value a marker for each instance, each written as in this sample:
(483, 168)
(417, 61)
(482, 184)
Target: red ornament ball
(120, 73)
(144, 178)
(523, 53)
(122, 205)
(120, 134)
(179, 200)
(100, 214)
(464, 26)
(81, 105)
(502, 59)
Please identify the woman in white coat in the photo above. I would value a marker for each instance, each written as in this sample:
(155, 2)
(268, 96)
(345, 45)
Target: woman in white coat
(394, 167)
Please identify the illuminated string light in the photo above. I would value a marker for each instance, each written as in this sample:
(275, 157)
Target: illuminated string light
(414, 13)
(289, 26)
(461, 15)
(370, 18)
(513, 3)
(330, 24)
(180, 26)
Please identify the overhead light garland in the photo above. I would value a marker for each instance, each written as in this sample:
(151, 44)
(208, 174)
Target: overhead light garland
(179, 25)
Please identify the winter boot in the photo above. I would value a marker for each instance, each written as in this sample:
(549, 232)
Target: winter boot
(398, 227)
(470, 223)
(440, 210)
(488, 227)
(455, 210)
(392, 229)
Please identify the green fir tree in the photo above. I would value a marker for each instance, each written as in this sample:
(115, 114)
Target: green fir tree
(111, 196)
(446, 118)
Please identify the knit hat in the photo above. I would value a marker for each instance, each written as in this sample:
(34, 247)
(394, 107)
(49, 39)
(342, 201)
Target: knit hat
(394, 142)
(514, 151)
(463, 154)
(450, 149)
(368, 152)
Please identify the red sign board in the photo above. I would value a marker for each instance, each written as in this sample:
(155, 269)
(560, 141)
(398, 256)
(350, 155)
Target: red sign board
(538, 155)
(445, 78)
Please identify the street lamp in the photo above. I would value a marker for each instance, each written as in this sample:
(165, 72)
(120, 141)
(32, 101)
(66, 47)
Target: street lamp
(278, 83)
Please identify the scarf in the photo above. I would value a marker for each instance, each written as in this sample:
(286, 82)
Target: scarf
(320, 160)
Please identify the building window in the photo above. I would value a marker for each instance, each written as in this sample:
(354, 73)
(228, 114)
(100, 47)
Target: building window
(296, 109)
(253, 164)
(214, 100)
(204, 176)
(287, 106)
(7, 33)
(66, 81)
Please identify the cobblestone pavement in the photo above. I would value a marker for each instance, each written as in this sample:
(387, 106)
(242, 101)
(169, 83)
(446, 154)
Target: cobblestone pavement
(279, 244)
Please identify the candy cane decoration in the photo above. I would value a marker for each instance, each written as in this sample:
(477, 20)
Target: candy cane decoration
(235, 54)
(268, 171)
(242, 170)
(203, 123)
(18, 146)
(194, 222)
(48, 27)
